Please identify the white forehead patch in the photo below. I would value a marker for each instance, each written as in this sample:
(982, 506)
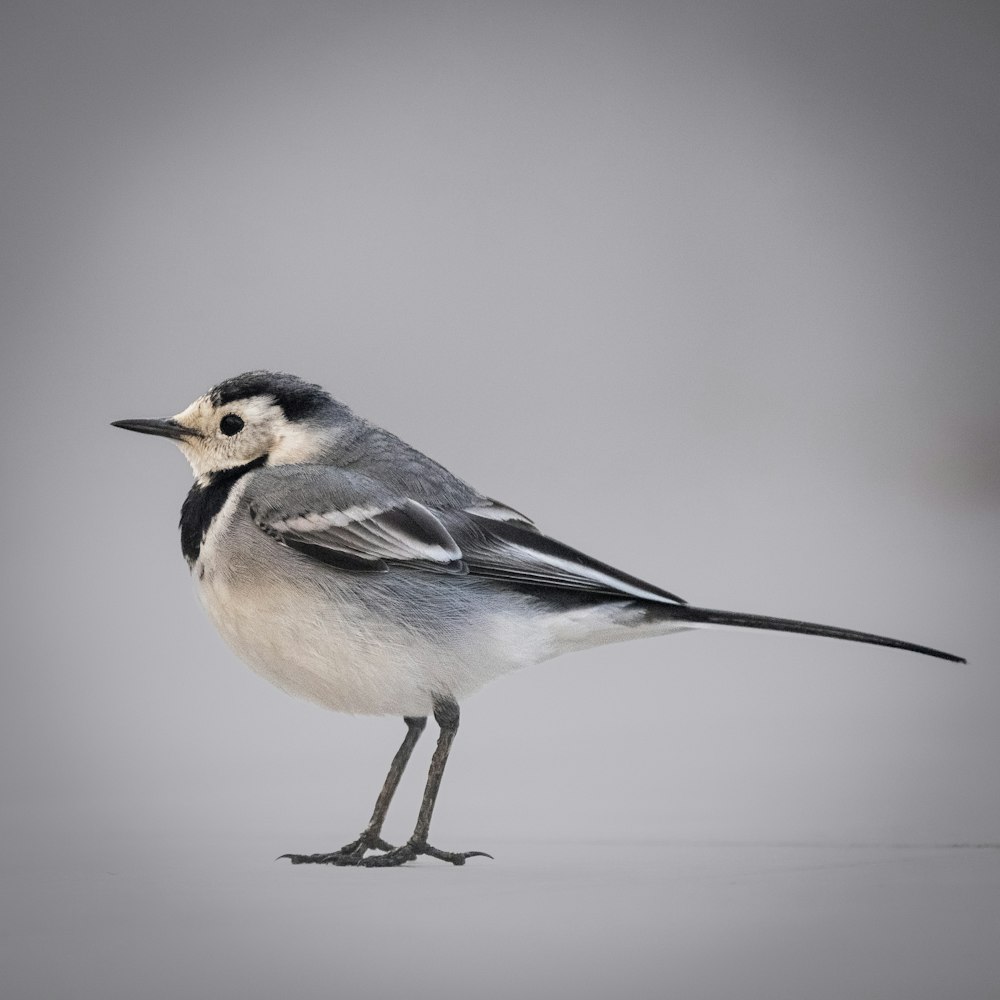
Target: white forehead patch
(197, 414)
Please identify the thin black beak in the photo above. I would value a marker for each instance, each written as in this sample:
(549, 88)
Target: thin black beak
(167, 427)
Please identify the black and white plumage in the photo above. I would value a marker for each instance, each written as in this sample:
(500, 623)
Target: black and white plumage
(350, 569)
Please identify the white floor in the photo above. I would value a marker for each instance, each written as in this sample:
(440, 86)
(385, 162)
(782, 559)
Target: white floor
(581, 920)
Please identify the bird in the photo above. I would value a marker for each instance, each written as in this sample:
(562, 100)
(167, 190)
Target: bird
(352, 570)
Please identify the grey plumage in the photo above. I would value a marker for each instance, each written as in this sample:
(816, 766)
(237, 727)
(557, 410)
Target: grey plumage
(350, 569)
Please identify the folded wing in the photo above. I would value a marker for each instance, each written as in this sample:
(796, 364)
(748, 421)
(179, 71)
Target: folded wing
(353, 522)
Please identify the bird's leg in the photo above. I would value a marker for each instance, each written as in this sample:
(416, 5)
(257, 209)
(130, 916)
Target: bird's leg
(446, 715)
(371, 836)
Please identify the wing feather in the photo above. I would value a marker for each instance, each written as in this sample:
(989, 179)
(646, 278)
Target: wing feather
(350, 521)
(519, 553)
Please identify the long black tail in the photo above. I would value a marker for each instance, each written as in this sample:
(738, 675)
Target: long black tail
(735, 619)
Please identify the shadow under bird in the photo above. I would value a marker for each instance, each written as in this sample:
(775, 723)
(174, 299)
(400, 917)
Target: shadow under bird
(350, 569)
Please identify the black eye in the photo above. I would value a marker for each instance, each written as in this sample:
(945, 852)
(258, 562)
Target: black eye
(230, 424)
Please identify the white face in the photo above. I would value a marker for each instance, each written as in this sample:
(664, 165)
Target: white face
(265, 431)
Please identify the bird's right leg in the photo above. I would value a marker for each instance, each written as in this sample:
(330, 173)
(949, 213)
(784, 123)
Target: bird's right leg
(371, 836)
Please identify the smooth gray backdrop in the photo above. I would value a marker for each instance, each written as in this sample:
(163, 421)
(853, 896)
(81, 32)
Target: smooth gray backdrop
(710, 290)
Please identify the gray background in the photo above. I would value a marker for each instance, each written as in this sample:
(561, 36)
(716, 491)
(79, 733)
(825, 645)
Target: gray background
(708, 289)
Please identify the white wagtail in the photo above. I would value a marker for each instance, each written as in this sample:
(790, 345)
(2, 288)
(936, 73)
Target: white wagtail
(350, 569)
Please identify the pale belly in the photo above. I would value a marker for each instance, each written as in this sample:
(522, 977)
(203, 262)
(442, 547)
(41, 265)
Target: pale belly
(368, 651)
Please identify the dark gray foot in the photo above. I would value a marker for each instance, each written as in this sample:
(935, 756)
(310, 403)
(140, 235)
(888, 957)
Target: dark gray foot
(350, 854)
(412, 850)
(353, 855)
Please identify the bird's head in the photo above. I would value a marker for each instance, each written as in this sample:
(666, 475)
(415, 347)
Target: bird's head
(257, 415)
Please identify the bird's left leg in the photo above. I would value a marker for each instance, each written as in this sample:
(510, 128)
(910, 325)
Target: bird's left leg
(371, 836)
